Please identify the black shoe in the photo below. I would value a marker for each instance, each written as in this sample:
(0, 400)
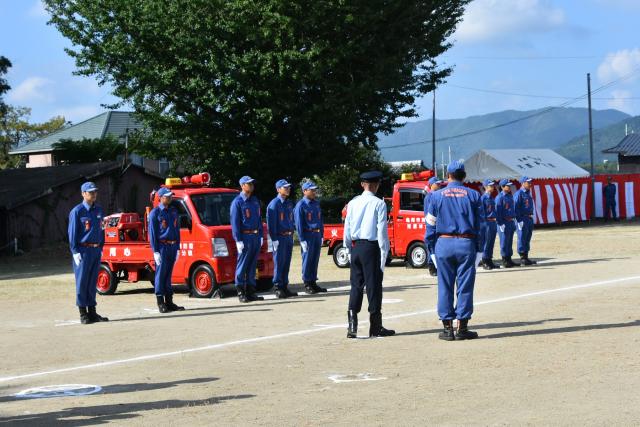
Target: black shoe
(281, 293)
(507, 262)
(289, 293)
(170, 305)
(513, 263)
(95, 317)
(447, 333)
(433, 272)
(84, 316)
(352, 316)
(528, 261)
(463, 333)
(486, 264)
(318, 288)
(242, 297)
(313, 288)
(251, 295)
(493, 265)
(375, 326)
(162, 307)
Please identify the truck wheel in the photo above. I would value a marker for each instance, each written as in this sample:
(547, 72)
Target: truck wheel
(107, 282)
(417, 255)
(203, 282)
(341, 256)
(264, 285)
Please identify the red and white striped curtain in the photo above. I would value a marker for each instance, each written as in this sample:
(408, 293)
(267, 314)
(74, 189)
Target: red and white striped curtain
(569, 199)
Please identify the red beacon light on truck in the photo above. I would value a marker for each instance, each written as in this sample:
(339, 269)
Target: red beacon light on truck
(416, 176)
(199, 180)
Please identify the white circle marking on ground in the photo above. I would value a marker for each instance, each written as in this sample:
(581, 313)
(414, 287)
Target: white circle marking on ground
(391, 300)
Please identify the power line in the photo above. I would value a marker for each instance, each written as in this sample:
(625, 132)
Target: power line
(541, 57)
(530, 116)
(526, 95)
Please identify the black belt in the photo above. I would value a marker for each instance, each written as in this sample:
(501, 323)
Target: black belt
(365, 241)
(168, 242)
(249, 231)
(313, 230)
(285, 233)
(90, 245)
(458, 236)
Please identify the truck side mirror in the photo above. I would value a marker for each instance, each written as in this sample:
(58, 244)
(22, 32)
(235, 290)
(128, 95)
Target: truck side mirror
(185, 222)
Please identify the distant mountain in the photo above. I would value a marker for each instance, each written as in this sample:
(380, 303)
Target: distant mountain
(577, 149)
(550, 130)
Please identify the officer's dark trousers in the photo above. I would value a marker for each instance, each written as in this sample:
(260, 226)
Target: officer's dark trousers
(490, 230)
(248, 261)
(87, 276)
(506, 239)
(455, 259)
(610, 209)
(366, 273)
(524, 235)
(162, 280)
(311, 258)
(282, 261)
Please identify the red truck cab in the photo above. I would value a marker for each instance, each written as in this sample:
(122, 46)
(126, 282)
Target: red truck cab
(207, 250)
(406, 224)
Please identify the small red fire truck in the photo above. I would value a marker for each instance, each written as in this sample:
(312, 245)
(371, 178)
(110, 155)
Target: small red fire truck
(406, 224)
(207, 250)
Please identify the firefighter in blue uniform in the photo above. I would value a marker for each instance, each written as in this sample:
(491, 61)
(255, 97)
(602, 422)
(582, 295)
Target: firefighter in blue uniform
(609, 192)
(246, 228)
(489, 227)
(366, 238)
(505, 217)
(523, 203)
(164, 238)
(434, 185)
(86, 239)
(453, 225)
(281, 226)
(310, 229)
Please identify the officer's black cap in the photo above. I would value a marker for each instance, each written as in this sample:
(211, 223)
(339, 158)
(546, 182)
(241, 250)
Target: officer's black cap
(371, 176)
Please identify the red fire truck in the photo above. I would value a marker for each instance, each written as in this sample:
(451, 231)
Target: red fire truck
(207, 249)
(406, 224)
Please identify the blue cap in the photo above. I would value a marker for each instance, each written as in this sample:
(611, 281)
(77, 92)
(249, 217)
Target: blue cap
(434, 180)
(525, 179)
(487, 182)
(455, 166)
(164, 191)
(504, 182)
(246, 179)
(309, 185)
(282, 183)
(371, 176)
(88, 186)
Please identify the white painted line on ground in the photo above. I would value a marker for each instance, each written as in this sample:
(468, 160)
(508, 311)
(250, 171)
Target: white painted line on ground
(297, 333)
(339, 378)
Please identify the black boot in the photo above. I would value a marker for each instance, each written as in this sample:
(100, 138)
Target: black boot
(527, 261)
(251, 294)
(513, 263)
(162, 307)
(433, 272)
(84, 316)
(95, 317)
(493, 265)
(507, 262)
(289, 293)
(170, 305)
(447, 333)
(353, 324)
(375, 326)
(242, 296)
(318, 288)
(463, 333)
(486, 264)
(281, 293)
(313, 288)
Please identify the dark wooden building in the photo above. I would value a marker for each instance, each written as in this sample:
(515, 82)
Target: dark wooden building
(628, 151)
(35, 202)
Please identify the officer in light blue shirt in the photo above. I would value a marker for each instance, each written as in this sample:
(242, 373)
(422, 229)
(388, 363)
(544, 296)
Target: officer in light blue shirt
(453, 225)
(280, 226)
(366, 237)
(505, 217)
(310, 229)
(86, 239)
(434, 185)
(523, 203)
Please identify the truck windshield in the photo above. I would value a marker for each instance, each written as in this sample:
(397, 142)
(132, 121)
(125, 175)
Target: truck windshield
(213, 209)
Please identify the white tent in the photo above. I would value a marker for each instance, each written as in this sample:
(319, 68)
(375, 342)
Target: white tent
(512, 164)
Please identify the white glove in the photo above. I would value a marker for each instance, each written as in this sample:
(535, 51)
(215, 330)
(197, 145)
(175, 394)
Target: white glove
(304, 246)
(275, 244)
(520, 224)
(240, 247)
(383, 259)
(177, 255)
(157, 258)
(478, 258)
(433, 258)
(77, 258)
(501, 228)
(261, 241)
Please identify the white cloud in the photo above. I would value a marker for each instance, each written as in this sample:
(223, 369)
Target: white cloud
(620, 101)
(37, 10)
(32, 89)
(78, 113)
(619, 64)
(492, 19)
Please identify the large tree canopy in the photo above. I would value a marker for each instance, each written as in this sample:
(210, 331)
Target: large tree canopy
(5, 64)
(269, 87)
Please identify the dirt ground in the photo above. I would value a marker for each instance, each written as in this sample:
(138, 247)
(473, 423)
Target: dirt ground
(559, 345)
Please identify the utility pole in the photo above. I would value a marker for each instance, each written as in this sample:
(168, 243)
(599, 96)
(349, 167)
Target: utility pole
(593, 176)
(433, 135)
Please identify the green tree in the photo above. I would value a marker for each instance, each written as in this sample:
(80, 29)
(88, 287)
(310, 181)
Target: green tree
(5, 64)
(88, 150)
(262, 86)
(16, 130)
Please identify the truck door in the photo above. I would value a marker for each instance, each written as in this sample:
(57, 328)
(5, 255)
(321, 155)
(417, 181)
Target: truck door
(186, 240)
(409, 222)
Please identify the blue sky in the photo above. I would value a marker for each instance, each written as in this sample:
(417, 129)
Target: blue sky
(531, 47)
